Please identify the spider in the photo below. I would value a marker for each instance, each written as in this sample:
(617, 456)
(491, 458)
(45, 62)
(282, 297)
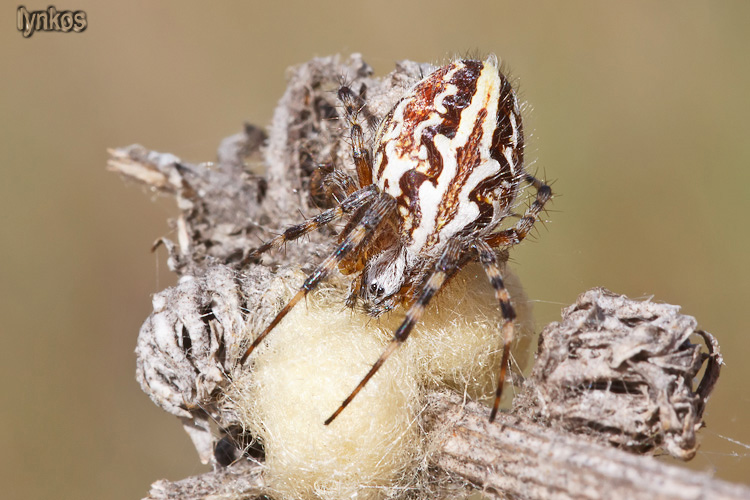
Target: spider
(444, 171)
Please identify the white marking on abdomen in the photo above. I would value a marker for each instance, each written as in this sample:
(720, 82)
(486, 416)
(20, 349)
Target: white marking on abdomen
(508, 154)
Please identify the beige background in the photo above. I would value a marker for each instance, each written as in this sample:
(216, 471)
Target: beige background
(640, 115)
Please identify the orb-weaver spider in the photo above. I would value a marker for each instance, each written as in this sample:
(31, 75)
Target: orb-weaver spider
(444, 171)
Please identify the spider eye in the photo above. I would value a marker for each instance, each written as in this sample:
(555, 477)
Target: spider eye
(376, 290)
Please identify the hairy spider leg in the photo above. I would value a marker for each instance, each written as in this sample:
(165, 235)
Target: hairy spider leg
(488, 258)
(330, 184)
(353, 105)
(352, 202)
(447, 265)
(516, 234)
(381, 206)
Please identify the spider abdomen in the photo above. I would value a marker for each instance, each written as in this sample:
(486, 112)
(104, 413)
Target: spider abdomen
(451, 153)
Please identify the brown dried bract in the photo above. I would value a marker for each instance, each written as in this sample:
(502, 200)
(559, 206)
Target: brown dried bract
(623, 371)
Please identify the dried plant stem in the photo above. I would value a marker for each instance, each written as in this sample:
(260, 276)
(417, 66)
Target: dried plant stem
(522, 459)
(512, 457)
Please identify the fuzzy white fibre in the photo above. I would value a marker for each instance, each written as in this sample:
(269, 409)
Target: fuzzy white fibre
(312, 360)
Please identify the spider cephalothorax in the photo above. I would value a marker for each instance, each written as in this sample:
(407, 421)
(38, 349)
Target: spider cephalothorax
(444, 171)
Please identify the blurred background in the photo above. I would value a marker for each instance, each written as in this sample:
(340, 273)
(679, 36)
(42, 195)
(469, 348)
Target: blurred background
(639, 112)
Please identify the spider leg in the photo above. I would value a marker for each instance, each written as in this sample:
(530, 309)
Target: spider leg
(330, 185)
(352, 202)
(353, 105)
(447, 265)
(358, 235)
(489, 260)
(516, 234)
